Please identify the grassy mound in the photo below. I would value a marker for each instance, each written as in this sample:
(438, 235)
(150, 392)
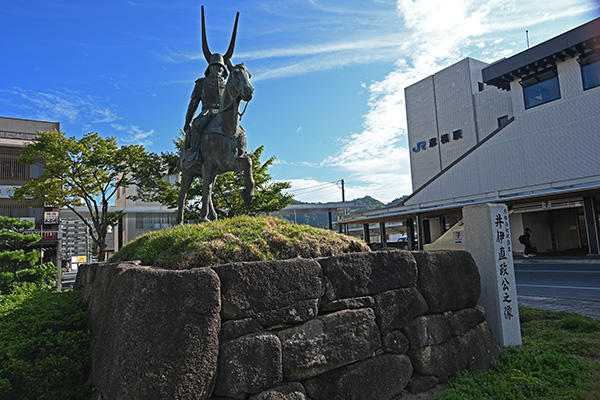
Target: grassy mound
(235, 239)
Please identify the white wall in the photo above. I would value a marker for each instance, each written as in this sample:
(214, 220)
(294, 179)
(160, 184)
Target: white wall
(447, 101)
(550, 145)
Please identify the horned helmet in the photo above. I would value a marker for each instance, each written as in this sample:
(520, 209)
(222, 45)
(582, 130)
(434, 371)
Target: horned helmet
(216, 58)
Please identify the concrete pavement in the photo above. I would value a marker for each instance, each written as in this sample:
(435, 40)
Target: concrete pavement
(584, 307)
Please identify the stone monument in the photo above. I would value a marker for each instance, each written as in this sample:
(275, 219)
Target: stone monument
(487, 238)
(215, 142)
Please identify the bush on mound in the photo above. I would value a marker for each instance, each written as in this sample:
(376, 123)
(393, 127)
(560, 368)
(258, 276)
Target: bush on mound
(235, 239)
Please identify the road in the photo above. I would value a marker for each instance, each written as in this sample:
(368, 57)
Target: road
(68, 280)
(565, 280)
(561, 285)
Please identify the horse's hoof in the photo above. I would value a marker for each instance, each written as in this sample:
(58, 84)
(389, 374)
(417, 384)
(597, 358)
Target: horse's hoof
(204, 220)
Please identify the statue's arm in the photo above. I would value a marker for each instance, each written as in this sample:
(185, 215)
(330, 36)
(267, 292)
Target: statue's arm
(194, 102)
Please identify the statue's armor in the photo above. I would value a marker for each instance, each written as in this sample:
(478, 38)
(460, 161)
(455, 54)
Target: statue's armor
(210, 91)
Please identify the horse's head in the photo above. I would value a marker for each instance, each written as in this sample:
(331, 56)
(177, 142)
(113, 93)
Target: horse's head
(239, 81)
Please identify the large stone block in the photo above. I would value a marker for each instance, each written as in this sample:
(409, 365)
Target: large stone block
(249, 365)
(480, 347)
(272, 292)
(428, 330)
(235, 328)
(347, 304)
(328, 342)
(397, 308)
(288, 391)
(382, 378)
(395, 342)
(93, 280)
(420, 383)
(464, 320)
(156, 335)
(448, 280)
(444, 359)
(363, 274)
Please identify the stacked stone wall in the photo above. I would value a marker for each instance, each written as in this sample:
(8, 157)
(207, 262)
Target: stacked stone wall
(356, 326)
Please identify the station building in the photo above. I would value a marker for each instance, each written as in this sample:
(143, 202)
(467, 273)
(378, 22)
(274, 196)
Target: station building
(523, 131)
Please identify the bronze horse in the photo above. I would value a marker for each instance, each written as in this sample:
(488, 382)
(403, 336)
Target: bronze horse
(223, 142)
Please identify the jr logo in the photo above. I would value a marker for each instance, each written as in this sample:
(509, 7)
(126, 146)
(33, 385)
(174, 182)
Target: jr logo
(420, 146)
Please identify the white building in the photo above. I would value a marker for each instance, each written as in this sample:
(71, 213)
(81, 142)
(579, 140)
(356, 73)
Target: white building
(523, 131)
(76, 240)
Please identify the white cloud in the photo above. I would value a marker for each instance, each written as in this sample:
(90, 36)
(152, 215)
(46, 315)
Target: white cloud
(134, 135)
(85, 111)
(63, 105)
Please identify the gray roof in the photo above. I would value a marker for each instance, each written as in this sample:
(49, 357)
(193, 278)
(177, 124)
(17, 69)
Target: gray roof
(582, 39)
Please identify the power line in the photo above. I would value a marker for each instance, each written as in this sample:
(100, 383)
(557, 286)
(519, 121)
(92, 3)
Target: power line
(315, 187)
(318, 190)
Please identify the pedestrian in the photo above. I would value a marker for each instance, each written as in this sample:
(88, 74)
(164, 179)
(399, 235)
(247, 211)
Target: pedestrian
(527, 241)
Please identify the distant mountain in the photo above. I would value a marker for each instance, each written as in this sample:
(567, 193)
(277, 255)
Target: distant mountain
(396, 202)
(368, 203)
(321, 220)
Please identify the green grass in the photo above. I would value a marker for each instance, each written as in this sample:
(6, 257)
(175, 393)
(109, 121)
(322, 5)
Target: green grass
(235, 239)
(559, 359)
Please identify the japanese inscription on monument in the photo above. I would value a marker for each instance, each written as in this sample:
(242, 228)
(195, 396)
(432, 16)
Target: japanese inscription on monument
(488, 239)
(503, 248)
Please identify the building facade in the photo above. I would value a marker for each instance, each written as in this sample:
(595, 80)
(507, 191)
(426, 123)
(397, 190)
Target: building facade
(14, 134)
(140, 216)
(76, 240)
(522, 131)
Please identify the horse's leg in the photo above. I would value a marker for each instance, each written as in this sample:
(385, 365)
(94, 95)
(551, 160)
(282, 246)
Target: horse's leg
(208, 177)
(244, 163)
(186, 181)
(212, 213)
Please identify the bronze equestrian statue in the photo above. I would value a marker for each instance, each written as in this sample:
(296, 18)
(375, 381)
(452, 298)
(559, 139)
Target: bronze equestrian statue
(215, 142)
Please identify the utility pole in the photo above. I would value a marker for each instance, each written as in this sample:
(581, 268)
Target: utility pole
(343, 201)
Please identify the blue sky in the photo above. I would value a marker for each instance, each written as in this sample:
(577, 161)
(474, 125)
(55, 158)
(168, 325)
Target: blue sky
(328, 75)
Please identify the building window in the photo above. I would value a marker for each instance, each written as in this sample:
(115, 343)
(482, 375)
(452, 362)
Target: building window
(11, 169)
(540, 88)
(590, 70)
(154, 221)
(503, 120)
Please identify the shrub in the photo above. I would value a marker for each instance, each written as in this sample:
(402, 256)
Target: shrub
(235, 239)
(7, 279)
(44, 348)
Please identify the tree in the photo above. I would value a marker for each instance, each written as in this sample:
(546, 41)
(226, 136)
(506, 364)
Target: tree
(86, 172)
(227, 199)
(16, 246)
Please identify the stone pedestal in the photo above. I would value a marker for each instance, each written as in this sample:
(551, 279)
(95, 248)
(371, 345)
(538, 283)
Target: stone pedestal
(487, 238)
